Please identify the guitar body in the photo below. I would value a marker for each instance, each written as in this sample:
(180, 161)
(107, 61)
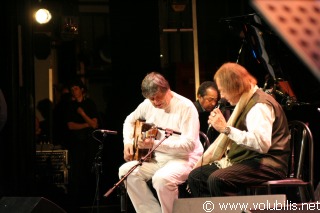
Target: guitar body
(143, 130)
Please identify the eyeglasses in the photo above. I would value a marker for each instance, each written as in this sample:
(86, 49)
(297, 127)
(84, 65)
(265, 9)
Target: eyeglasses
(210, 99)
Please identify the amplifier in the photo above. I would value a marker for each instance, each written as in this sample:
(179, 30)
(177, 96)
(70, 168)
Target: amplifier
(52, 166)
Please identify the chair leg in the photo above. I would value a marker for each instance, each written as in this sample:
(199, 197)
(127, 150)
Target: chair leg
(311, 192)
(251, 191)
(248, 191)
(303, 194)
(269, 189)
(307, 194)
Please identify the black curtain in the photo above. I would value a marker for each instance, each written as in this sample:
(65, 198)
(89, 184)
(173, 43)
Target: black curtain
(17, 147)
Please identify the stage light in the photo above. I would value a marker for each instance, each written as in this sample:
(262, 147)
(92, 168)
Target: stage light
(43, 16)
(179, 5)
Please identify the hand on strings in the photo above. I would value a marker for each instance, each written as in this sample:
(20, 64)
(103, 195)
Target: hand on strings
(128, 152)
(147, 143)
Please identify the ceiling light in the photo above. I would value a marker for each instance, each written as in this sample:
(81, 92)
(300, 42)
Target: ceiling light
(43, 16)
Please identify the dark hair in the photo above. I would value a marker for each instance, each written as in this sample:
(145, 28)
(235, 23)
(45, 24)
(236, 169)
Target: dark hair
(77, 82)
(45, 107)
(202, 90)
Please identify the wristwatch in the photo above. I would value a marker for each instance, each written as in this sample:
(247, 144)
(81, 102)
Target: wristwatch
(227, 131)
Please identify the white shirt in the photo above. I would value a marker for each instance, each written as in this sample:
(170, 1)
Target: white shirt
(181, 116)
(259, 122)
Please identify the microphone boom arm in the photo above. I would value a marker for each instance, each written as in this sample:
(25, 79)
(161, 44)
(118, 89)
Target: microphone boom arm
(168, 133)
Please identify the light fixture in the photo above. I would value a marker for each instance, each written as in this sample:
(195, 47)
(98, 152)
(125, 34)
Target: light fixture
(43, 16)
(179, 5)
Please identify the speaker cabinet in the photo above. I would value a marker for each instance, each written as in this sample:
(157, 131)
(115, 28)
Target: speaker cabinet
(236, 204)
(28, 205)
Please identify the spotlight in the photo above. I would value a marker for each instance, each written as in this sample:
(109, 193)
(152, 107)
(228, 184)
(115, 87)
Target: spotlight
(43, 16)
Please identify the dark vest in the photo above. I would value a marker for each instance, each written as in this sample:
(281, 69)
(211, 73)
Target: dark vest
(279, 152)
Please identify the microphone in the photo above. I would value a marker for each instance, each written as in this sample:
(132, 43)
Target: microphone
(221, 104)
(105, 131)
(170, 131)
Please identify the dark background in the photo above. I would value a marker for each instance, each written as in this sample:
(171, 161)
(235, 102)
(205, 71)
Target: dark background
(133, 39)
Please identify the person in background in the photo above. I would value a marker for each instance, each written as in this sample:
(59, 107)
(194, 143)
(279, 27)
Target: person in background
(37, 130)
(82, 119)
(45, 106)
(60, 110)
(3, 110)
(253, 146)
(173, 158)
(207, 99)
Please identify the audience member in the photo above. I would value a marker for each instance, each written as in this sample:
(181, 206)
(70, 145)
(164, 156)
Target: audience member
(45, 106)
(60, 110)
(82, 120)
(173, 158)
(37, 130)
(253, 146)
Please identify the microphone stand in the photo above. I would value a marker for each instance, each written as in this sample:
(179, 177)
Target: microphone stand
(97, 167)
(168, 132)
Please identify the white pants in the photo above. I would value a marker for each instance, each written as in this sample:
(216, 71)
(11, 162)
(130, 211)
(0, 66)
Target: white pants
(166, 176)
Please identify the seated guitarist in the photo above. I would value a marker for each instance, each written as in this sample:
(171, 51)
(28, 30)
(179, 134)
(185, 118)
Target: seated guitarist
(173, 158)
(253, 146)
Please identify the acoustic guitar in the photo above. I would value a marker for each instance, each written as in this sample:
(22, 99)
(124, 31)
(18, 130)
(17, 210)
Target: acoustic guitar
(142, 131)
